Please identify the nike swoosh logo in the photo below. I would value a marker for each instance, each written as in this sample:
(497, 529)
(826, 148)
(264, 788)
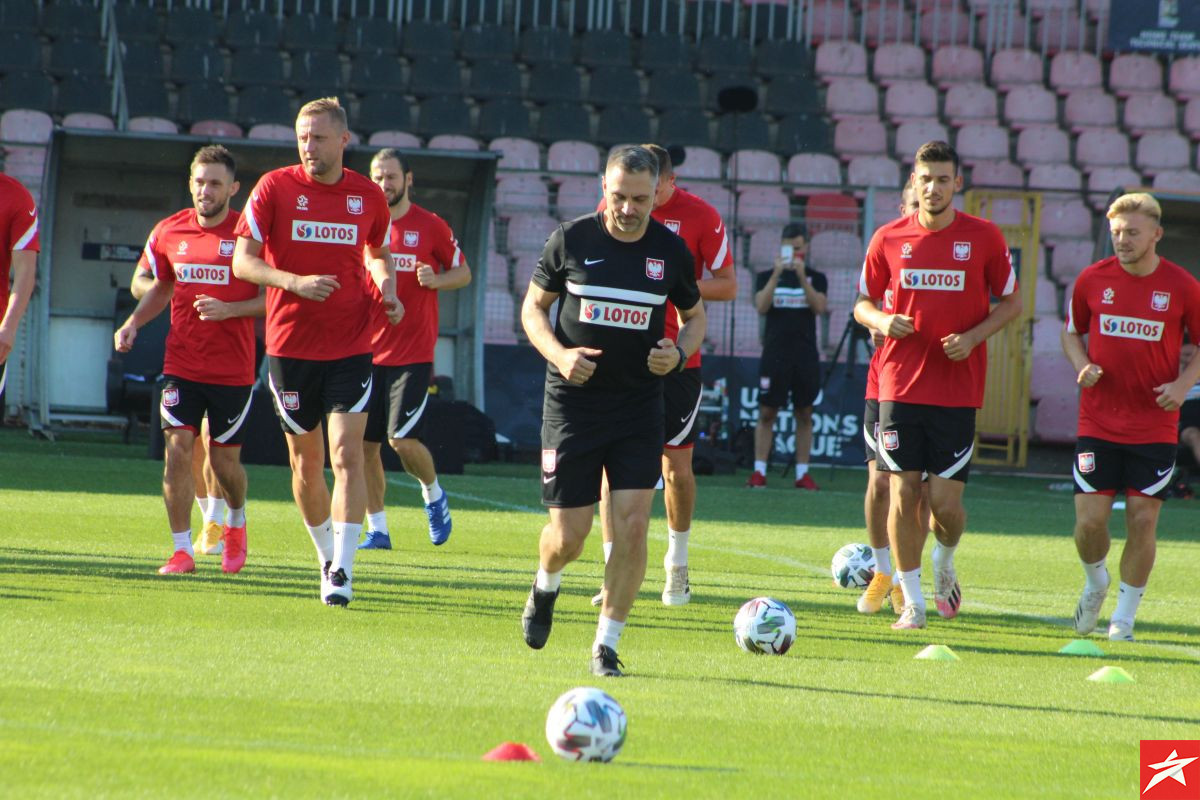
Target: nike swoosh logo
(366, 383)
(33, 212)
(959, 453)
(410, 413)
(231, 420)
(1162, 472)
(587, 262)
(718, 228)
(547, 480)
(684, 418)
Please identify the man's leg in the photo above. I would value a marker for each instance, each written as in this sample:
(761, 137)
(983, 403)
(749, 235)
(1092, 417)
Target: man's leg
(764, 438)
(949, 520)
(804, 432)
(1092, 542)
(623, 575)
(178, 490)
(418, 462)
(306, 452)
(231, 477)
(679, 496)
(561, 543)
(907, 538)
(1137, 560)
(875, 512)
(349, 500)
(208, 496)
(377, 537)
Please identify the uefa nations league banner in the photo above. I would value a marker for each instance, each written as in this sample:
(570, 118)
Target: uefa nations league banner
(1155, 26)
(514, 376)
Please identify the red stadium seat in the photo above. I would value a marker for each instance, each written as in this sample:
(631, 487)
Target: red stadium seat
(852, 98)
(1040, 8)
(910, 100)
(840, 59)
(578, 196)
(1131, 73)
(1159, 151)
(1100, 147)
(216, 127)
(1182, 180)
(764, 247)
(953, 64)
(982, 142)
(452, 141)
(1060, 31)
(1043, 145)
(1046, 335)
(754, 165)
(1148, 112)
(1069, 257)
(515, 153)
(854, 137)
(1001, 30)
(86, 121)
(830, 22)
(898, 61)
(1016, 67)
(1184, 80)
(701, 163)
(911, 135)
(26, 164)
(521, 194)
(1073, 70)
(1045, 294)
(1030, 104)
(831, 212)
(572, 156)
(873, 171)
(1090, 108)
(999, 174)
(1054, 178)
(1103, 180)
(813, 169)
(1065, 219)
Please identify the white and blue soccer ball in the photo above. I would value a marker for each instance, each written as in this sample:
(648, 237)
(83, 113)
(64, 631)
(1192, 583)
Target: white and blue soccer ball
(764, 625)
(586, 724)
(853, 566)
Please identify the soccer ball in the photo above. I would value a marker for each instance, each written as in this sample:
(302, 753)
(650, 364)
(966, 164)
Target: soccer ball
(853, 566)
(764, 625)
(586, 724)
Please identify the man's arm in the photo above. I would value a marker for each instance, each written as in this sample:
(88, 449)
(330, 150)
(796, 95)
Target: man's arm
(250, 266)
(1171, 396)
(24, 273)
(574, 364)
(143, 279)
(668, 355)
(721, 284)
(868, 314)
(1086, 372)
(959, 345)
(453, 278)
(817, 301)
(150, 306)
(211, 309)
(765, 296)
(383, 272)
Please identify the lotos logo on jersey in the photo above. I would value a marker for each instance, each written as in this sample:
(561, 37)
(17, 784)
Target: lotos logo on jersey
(614, 315)
(291, 400)
(1087, 463)
(891, 440)
(170, 396)
(672, 225)
(411, 238)
(1131, 328)
(654, 269)
(202, 273)
(943, 280)
(225, 248)
(324, 232)
(1160, 301)
(405, 262)
(962, 251)
(354, 204)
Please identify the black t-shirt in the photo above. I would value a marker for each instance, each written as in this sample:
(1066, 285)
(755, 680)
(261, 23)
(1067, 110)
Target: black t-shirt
(612, 296)
(791, 325)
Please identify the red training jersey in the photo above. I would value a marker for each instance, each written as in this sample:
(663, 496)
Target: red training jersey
(312, 228)
(943, 280)
(199, 261)
(692, 219)
(419, 236)
(873, 364)
(18, 229)
(1134, 326)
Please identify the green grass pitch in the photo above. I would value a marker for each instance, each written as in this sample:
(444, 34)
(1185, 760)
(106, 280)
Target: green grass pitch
(118, 682)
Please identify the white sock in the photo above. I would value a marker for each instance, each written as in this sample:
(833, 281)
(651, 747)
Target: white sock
(377, 521)
(322, 537)
(548, 581)
(607, 551)
(801, 470)
(910, 582)
(345, 544)
(761, 467)
(883, 559)
(202, 504)
(1127, 602)
(432, 492)
(1096, 575)
(608, 632)
(237, 517)
(216, 510)
(677, 542)
(943, 556)
(183, 541)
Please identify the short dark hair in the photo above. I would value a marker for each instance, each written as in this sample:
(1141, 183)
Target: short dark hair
(634, 158)
(665, 167)
(215, 154)
(792, 230)
(391, 152)
(937, 152)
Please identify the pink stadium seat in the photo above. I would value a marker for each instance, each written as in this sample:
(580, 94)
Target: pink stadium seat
(1101, 147)
(840, 59)
(853, 137)
(1131, 73)
(760, 206)
(355, 139)
(24, 125)
(87, 121)
(393, 139)
(910, 100)
(26, 164)
(1000, 29)
(970, 102)
(578, 196)
(1090, 108)
(1075, 69)
(1012, 68)
(1102, 181)
(452, 141)
(521, 194)
(1055, 178)
(216, 127)
(497, 271)
(701, 163)
(1061, 31)
(912, 135)
(515, 153)
(523, 264)
(754, 165)
(885, 22)
(764, 247)
(835, 250)
(1030, 104)
(528, 232)
(1043, 145)
(570, 156)
(898, 61)
(873, 171)
(1065, 219)
(852, 98)
(1184, 78)
(1045, 293)
(499, 317)
(1191, 118)
(1182, 180)
(1057, 418)
(271, 132)
(715, 194)
(829, 21)
(813, 169)
(1046, 336)
(953, 64)
(153, 125)
(982, 142)
(1051, 377)
(944, 25)
(886, 207)
(1005, 211)
(831, 212)
(1150, 111)
(999, 174)
(1069, 257)
(1159, 151)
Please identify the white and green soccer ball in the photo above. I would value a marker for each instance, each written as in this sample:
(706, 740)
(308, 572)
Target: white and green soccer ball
(764, 625)
(853, 566)
(586, 724)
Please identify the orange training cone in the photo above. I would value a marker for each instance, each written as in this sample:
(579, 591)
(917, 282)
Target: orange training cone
(511, 751)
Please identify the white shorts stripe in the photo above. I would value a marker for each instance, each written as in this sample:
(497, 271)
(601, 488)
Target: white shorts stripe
(888, 460)
(1081, 483)
(361, 405)
(1161, 484)
(953, 469)
(690, 423)
(291, 423)
(608, 293)
(169, 417)
(3, 375)
(869, 439)
(237, 423)
(413, 420)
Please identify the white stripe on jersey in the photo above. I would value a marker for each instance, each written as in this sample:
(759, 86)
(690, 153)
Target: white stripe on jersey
(149, 253)
(862, 282)
(1011, 284)
(24, 241)
(1071, 316)
(719, 260)
(251, 221)
(609, 293)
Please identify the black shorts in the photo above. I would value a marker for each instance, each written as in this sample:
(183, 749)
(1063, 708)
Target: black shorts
(870, 429)
(576, 452)
(1103, 467)
(794, 376)
(398, 399)
(681, 401)
(1189, 414)
(305, 391)
(921, 438)
(184, 403)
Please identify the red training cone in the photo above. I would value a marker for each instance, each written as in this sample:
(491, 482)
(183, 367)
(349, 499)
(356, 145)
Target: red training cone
(511, 751)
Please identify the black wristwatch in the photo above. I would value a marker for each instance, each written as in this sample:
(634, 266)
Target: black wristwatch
(683, 359)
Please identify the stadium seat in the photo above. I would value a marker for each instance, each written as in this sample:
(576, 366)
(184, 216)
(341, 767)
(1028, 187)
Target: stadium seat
(714, 194)
(444, 115)
(834, 250)
(1090, 108)
(383, 111)
(1149, 111)
(498, 276)
(453, 141)
(614, 86)
(1056, 419)
(749, 131)
(1030, 104)
(493, 79)
(831, 21)
(997, 174)
(197, 62)
(1184, 80)
(528, 232)
(898, 61)
(684, 126)
(423, 38)
(19, 51)
(953, 64)
(564, 121)
(831, 211)
(1069, 257)
(700, 162)
(789, 93)
(1064, 30)
(307, 33)
(907, 101)
(813, 169)
(1045, 294)
(660, 50)
(849, 98)
(1016, 67)
(216, 127)
(141, 60)
(1054, 178)
(153, 125)
(250, 28)
(146, 97)
(1100, 147)
(1183, 180)
(856, 137)
(499, 317)
(505, 117)
(884, 21)
(754, 165)
(66, 18)
(393, 139)
(721, 81)
(763, 248)
(516, 153)
(317, 73)
(1041, 8)
(72, 56)
(873, 171)
(433, 75)
(1005, 30)
(1073, 70)
(363, 35)
(798, 133)
(577, 196)
(260, 104)
(884, 209)
(1065, 219)
(554, 82)
(840, 59)
(779, 57)
(83, 120)
(1051, 377)
(191, 24)
(1046, 336)
(255, 66)
(911, 135)
(1159, 151)
(91, 93)
(1131, 73)
(944, 26)
(541, 45)
(21, 17)
(25, 164)
(573, 156)
(523, 264)
(622, 125)
(673, 88)
(970, 103)
(605, 48)
(981, 142)
(376, 72)
(1191, 118)
(271, 132)
(1043, 145)
(1103, 180)
(719, 54)
(487, 43)
(1006, 211)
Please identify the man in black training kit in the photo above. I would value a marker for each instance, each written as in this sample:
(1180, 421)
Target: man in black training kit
(614, 271)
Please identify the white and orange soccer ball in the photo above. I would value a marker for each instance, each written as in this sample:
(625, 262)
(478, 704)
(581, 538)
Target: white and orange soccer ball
(764, 625)
(586, 724)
